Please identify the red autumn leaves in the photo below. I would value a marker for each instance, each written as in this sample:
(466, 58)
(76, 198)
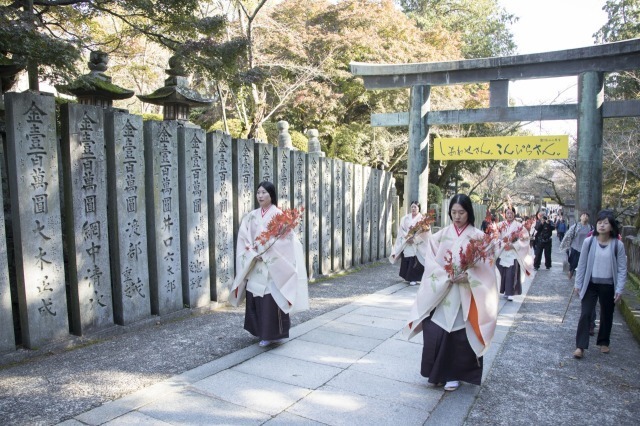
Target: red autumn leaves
(279, 226)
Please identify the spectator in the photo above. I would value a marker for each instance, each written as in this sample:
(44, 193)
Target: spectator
(600, 276)
(561, 227)
(543, 233)
(574, 239)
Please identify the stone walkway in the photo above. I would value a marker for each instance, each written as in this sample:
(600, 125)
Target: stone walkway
(350, 366)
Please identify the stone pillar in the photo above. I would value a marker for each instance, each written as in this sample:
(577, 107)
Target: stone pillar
(366, 213)
(299, 191)
(221, 200)
(163, 216)
(194, 216)
(589, 163)
(7, 335)
(382, 207)
(283, 177)
(243, 181)
(358, 214)
(284, 138)
(84, 163)
(127, 217)
(35, 210)
(337, 214)
(388, 218)
(264, 160)
(313, 144)
(326, 214)
(418, 155)
(395, 213)
(375, 212)
(313, 215)
(347, 215)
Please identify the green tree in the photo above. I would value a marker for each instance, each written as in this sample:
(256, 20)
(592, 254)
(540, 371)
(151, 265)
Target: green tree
(481, 25)
(621, 168)
(51, 35)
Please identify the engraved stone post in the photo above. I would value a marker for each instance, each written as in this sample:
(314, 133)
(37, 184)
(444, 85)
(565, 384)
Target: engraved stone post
(283, 177)
(243, 183)
(299, 193)
(85, 173)
(375, 212)
(127, 217)
(358, 214)
(366, 212)
(313, 215)
(163, 215)
(35, 211)
(194, 216)
(7, 335)
(221, 198)
(347, 215)
(338, 218)
(392, 212)
(326, 230)
(264, 163)
(385, 216)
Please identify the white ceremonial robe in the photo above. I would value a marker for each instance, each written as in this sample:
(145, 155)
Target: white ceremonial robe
(519, 250)
(452, 301)
(281, 273)
(401, 245)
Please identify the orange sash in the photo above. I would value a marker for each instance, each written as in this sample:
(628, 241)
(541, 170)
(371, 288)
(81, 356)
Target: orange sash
(473, 318)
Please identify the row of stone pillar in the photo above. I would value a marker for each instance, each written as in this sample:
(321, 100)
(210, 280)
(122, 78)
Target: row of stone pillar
(149, 212)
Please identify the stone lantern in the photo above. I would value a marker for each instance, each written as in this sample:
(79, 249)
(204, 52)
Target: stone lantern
(96, 87)
(176, 97)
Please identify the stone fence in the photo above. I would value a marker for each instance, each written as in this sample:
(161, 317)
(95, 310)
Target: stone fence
(119, 219)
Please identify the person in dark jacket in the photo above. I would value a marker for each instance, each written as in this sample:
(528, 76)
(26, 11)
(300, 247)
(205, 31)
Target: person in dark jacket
(561, 227)
(544, 231)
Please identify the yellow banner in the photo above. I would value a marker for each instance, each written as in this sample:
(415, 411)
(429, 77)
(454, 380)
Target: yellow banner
(502, 148)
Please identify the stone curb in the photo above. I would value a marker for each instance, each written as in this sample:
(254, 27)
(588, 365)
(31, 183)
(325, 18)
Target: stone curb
(630, 307)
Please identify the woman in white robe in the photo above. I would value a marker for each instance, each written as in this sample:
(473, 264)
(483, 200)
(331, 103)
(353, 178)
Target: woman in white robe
(274, 282)
(457, 316)
(411, 268)
(514, 261)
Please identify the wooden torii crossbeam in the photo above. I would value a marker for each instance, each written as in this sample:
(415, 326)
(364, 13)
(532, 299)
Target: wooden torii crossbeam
(588, 63)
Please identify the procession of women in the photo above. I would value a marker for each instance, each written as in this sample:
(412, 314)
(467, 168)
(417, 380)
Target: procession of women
(460, 271)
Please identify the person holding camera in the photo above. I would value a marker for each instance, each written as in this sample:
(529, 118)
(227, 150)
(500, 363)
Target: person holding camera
(544, 231)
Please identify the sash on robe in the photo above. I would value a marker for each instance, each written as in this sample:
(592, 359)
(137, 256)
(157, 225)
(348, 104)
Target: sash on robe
(284, 261)
(478, 299)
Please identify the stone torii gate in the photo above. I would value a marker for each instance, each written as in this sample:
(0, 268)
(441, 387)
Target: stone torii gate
(588, 63)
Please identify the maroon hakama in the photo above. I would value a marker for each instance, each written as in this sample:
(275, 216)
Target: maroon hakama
(264, 319)
(448, 356)
(510, 279)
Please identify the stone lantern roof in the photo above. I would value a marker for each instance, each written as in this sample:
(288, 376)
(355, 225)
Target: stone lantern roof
(96, 87)
(176, 97)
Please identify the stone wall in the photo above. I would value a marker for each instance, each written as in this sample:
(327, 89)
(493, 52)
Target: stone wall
(118, 219)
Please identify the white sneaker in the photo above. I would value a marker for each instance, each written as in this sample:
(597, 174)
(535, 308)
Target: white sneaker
(510, 299)
(264, 343)
(412, 283)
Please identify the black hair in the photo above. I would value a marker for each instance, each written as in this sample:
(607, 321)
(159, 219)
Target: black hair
(513, 209)
(271, 189)
(607, 214)
(416, 203)
(465, 203)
